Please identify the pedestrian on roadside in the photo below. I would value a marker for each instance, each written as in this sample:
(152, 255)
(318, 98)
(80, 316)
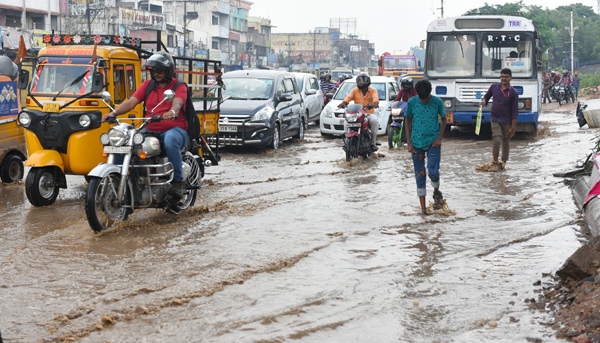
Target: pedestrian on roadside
(547, 86)
(425, 125)
(505, 110)
(576, 84)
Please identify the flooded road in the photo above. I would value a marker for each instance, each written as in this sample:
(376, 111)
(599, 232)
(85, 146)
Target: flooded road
(299, 245)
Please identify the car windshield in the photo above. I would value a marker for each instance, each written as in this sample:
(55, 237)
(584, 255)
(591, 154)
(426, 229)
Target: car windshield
(451, 55)
(248, 88)
(335, 75)
(346, 87)
(53, 74)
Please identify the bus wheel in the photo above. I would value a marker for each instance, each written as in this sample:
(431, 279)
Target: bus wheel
(12, 169)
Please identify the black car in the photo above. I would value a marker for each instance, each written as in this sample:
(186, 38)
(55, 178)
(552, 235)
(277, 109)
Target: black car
(260, 108)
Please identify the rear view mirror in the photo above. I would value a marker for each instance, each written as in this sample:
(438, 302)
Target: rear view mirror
(23, 79)
(311, 92)
(393, 97)
(169, 95)
(285, 97)
(97, 82)
(329, 96)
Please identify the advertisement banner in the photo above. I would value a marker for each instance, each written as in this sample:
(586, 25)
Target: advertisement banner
(10, 39)
(214, 55)
(9, 107)
(301, 42)
(37, 39)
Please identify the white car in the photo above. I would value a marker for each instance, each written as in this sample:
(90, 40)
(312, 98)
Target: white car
(332, 117)
(311, 94)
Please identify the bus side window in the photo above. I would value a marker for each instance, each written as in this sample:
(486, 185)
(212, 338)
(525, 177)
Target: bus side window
(119, 83)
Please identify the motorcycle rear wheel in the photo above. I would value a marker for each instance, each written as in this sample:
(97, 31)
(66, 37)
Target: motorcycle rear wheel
(190, 193)
(101, 206)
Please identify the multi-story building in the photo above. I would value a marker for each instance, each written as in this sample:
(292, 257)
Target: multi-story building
(238, 33)
(259, 39)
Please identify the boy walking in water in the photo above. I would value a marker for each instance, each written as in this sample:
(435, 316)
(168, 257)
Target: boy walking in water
(505, 111)
(425, 125)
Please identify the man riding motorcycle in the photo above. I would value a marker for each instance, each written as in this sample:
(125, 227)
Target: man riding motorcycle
(408, 89)
(327, 86)
(365, 95)
(173, 132)
(567, 80)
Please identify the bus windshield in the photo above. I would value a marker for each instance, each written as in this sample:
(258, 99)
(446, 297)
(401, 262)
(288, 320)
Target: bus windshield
(514, 51)
(451, 55)
(56, 73)
(395, 62)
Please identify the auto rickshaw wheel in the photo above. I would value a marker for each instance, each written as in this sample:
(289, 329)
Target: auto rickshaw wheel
(12, 169)
(41, 187)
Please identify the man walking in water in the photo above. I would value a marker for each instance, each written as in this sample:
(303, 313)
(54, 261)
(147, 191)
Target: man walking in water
(505, 110)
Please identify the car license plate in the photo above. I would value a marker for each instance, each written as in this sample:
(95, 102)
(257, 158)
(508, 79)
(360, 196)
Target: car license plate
(450, 118)
(354, 124)
(51, 107)
(227, 128)
(117, 149)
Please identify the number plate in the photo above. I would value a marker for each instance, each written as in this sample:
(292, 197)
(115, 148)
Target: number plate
(450, 118)
(354, 124)
(117, 149)
(51, 107)
(227, 128)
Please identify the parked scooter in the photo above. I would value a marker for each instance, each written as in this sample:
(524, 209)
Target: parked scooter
(396, 136)
(358, 135)
(143, 178)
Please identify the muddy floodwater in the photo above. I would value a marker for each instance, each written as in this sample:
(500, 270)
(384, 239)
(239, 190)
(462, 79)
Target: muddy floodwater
(297, 245)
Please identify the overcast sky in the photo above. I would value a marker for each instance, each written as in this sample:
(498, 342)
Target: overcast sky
(393, 25)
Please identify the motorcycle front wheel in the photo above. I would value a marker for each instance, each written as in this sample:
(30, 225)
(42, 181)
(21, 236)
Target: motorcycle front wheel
(348, 149)
(101, 205)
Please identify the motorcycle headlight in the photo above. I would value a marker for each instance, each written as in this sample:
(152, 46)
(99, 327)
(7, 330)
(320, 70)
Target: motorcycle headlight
(351, 117)
(85, 120)
(447, 103)
(24, 119)
(116, 136)
(263, 114)
(138, 138)
(104, 139)
(327, 112)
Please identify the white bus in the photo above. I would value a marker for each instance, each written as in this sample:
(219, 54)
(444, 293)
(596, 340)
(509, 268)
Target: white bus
(464, 56)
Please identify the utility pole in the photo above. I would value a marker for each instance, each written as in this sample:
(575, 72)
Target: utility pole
(315, 49)
(572, 34)
(87, 14)
(442, 8)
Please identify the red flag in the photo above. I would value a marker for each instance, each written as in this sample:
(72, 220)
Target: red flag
(94, 56)
(22, 51)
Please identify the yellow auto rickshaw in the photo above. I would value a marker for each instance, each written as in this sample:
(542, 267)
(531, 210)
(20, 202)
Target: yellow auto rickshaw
(64, 107)
(13, 150)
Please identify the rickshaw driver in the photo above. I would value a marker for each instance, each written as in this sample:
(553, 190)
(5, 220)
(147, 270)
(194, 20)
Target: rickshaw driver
(173, 133)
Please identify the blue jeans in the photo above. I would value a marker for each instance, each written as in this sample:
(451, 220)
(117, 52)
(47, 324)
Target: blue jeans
(173, 140)
(433, 156)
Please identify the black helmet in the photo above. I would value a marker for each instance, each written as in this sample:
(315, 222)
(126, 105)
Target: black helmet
(363, 80)
(328, 76)
(322, 77)
(407, 83)
(162, 61)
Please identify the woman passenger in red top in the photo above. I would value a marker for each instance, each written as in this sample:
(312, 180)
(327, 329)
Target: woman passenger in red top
(173, 132)
(407, 90)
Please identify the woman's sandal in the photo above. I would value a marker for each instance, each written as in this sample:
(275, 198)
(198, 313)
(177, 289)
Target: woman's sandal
(438, 200)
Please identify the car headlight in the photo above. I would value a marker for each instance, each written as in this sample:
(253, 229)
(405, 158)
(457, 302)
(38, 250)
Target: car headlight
(263, 114)
(24, 119)
(351, 117)
(116, 136)
(447, 103)
(327, 112)
(84, 120)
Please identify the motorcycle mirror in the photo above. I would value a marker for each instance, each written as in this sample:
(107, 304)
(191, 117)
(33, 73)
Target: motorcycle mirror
(169, 95)
(106, 96)
(329, 96)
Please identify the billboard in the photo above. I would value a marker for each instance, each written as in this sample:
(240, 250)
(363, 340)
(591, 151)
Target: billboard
(305, 44)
